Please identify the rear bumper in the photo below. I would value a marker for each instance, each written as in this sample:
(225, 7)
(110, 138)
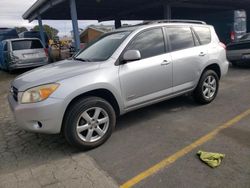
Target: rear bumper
(42, 117)
(27, 65)
(224, 66)
(238, 55)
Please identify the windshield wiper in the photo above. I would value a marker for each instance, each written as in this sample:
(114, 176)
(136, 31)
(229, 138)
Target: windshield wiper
(81, 59)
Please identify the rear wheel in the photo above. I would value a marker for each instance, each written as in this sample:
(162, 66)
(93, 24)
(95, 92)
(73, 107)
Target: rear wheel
(207, 88)
(89, 122)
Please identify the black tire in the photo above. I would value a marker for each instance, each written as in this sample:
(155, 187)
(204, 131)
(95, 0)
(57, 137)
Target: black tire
(198, 94)
(10, 71)
(73, 114)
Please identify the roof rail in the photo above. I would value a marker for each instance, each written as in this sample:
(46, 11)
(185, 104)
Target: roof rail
(175, 21)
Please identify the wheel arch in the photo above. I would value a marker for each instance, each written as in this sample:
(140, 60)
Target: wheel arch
(102, 93)
(215, 67)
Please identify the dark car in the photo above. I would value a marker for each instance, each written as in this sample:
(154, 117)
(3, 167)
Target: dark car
(245, 37)
(8, 33)
(239, 52)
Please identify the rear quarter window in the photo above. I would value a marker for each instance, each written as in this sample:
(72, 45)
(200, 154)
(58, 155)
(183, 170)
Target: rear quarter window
(204, 34)
(26, 44)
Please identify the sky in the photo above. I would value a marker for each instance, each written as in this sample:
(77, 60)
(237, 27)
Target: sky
(11, 12)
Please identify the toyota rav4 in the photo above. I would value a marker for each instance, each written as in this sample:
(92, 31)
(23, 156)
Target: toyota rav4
(123, 70)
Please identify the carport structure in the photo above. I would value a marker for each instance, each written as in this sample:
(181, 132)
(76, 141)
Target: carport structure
(104, 10)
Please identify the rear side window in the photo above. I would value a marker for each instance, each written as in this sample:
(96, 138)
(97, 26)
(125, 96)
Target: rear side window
(204, 34)
(150, 43)
(180, 38)
(26, 44)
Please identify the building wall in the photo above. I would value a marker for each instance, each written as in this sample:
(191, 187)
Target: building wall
(90, 35)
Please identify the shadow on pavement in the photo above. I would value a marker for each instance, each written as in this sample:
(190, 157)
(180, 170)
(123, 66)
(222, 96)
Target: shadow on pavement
(146, 113)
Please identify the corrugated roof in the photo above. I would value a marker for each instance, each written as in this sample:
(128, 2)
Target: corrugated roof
(123, 9)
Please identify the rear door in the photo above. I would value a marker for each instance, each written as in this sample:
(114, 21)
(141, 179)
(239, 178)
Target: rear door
(187, 57)
(28, 51)
(151, 77)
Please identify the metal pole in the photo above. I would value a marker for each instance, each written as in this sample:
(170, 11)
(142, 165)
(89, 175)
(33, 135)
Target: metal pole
(167, 11)
(73, 13)
(40, 23)
(118, 23)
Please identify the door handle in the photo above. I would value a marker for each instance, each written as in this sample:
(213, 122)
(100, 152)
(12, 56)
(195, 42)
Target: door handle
(165, 62)
(202, 54)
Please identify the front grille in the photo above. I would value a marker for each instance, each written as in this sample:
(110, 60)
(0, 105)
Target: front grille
(15, 93)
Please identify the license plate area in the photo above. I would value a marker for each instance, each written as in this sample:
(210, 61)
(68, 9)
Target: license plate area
(245, 56)
(32, 55)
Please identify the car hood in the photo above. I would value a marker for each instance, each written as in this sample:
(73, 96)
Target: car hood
(53, 73)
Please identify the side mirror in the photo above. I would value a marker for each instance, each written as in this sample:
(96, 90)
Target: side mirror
(131, 55)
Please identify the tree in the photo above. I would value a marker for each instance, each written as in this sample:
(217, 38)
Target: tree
(21, 29)
(51, 32)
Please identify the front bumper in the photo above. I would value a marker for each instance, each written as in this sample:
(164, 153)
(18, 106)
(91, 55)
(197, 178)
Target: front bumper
(42, 117)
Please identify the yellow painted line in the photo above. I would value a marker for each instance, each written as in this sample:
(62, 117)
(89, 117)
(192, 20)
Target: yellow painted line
(171, 159)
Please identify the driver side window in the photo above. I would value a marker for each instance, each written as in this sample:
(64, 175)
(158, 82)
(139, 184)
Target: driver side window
(150, 43)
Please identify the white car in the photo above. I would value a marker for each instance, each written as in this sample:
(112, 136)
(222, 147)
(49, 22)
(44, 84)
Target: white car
(23, 53)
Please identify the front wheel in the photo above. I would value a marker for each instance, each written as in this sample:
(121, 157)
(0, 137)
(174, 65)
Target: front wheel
(207, 88)
(89, 122)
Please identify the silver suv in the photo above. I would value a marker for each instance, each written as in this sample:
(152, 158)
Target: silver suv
(122, 71)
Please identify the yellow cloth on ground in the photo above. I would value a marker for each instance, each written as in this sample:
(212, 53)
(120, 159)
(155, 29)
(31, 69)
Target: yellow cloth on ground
(211, 159)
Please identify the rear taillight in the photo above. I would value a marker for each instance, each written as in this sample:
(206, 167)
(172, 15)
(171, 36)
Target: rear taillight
(222, 45)
(46, 51)
(232, 36)
(14, 58)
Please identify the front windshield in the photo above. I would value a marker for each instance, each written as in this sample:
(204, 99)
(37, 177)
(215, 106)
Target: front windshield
(103, 48)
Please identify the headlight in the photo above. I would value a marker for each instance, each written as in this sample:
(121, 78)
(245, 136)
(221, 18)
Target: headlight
(38, 93)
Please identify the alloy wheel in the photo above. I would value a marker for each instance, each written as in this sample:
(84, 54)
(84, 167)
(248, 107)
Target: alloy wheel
(209, 87)
(92, 124)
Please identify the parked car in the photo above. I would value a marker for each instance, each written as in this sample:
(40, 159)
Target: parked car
(8, 33)
(22, 53)
(234, 24)
(238, 53)
(245, 37)
(35, 34)
(230, 25)
(123, 70)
